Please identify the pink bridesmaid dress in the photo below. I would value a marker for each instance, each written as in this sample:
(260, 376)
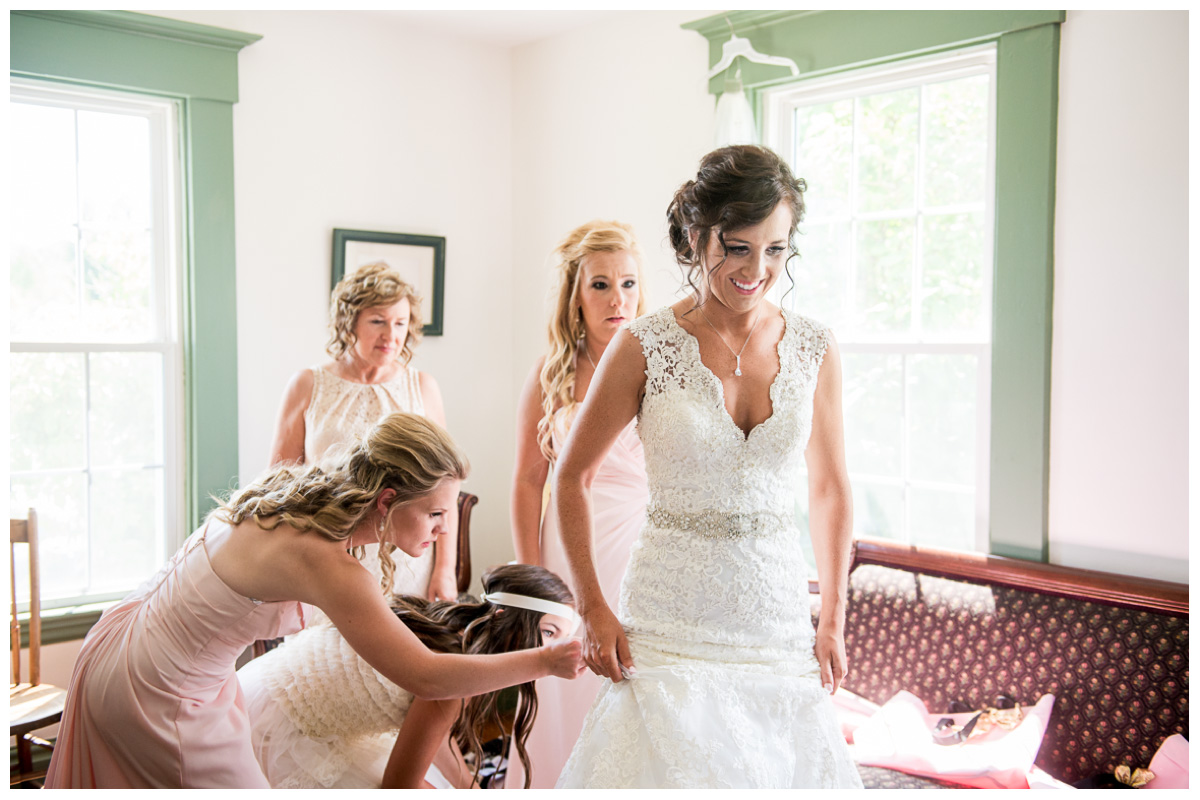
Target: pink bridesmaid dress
(154, 701)
(619, 497)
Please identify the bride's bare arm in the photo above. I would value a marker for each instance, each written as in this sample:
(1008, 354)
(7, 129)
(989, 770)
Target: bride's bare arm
(831, 515)
(612, 401)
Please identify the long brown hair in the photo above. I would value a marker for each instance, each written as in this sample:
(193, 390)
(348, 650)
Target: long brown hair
(403, 452)
(480, 627)
(566, 322)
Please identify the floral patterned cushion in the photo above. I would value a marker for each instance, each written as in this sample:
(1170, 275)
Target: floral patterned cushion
(1120, 677)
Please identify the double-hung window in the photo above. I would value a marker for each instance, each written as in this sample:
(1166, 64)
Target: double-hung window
(96, 401)
(896, 257)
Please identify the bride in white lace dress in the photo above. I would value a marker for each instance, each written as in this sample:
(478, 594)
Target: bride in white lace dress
(718, 678)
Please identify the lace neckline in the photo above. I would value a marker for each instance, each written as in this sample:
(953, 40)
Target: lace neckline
(398, 377)
(692, 347)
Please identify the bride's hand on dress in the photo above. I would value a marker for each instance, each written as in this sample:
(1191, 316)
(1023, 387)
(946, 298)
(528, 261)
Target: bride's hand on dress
(565, 658)
(831, 655)
(606, 650)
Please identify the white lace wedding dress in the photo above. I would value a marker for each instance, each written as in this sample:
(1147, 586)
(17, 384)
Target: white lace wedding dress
(727, 692)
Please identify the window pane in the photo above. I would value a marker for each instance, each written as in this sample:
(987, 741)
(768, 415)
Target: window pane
(943, 519)
(114, 169)
(878, 511)
(61, 504)
(887, 151)
(821, 272)
(127, 518)
(824, 148)
(43, 303)
(47, 402)
(44, 282)
(954, 269)
(873, 401)
(942, 418)
(42, 155)
(884, 282)
(956, 141)
(126, 409)
(118, 283)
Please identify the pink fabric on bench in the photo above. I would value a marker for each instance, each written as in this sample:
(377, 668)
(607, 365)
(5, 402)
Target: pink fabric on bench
(900, 737)
(1170, 764)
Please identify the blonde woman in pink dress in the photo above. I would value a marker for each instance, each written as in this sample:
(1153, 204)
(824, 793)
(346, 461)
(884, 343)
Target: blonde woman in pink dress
(599, 290)
(154, 701)
(375, 326)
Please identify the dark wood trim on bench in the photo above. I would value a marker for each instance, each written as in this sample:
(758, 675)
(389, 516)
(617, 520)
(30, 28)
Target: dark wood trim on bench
(1144, 594)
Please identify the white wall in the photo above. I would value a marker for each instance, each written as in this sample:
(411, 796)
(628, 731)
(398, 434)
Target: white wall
(1119, 374)
(608, 121)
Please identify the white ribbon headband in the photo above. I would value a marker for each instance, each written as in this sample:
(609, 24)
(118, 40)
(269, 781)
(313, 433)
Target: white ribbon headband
(535, 604)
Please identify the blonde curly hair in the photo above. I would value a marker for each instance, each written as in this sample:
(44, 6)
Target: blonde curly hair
(403, 452)
(566, 323)
(371, 286)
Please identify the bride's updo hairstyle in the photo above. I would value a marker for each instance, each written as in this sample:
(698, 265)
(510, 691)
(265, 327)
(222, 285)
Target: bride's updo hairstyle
(481, 627)
(736, 187)
(403, 452)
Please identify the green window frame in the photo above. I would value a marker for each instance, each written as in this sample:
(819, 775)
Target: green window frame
(1027, 49)
(196, 65)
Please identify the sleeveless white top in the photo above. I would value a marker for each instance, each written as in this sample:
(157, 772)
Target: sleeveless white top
(340, 411)
(320, 716)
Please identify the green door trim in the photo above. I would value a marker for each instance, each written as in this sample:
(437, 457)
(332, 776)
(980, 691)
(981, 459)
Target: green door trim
(1027, 48)
(197, 65)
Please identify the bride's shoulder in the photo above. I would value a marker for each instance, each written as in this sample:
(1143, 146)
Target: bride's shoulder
(811, 336)
(655, 323)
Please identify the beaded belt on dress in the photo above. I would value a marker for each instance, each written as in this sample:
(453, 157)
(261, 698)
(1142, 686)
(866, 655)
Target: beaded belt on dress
(714, 524)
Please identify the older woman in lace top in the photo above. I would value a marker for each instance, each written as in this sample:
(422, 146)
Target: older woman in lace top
(375, 325)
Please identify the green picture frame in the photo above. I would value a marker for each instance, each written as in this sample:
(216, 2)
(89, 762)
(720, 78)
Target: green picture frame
(420, 260)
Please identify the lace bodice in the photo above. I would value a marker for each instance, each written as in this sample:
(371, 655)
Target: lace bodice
(326, 689)
(697, 458)
(719, 563)
(340, 411)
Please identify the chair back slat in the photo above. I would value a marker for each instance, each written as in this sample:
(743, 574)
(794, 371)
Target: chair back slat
(24, 531)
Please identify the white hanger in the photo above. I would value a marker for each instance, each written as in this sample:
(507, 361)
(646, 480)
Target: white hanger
(738, 46)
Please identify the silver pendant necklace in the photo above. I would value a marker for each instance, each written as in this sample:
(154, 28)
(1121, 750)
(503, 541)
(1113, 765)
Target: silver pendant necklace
(586, 351)
(738, 355)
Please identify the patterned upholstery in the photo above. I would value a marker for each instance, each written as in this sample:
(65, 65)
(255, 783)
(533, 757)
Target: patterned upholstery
(1119, 677)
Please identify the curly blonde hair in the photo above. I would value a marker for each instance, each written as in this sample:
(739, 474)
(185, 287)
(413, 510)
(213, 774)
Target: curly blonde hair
(403, 452)
(371, 286)
(566, 323)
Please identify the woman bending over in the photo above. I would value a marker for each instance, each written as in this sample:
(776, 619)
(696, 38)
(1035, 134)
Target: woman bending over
(321, 717)
(154, 700)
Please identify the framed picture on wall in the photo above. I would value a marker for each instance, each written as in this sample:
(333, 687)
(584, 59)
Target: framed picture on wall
(419, 260)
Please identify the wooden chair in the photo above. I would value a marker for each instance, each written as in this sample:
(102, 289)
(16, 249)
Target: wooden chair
(462, 570)
(32, 705)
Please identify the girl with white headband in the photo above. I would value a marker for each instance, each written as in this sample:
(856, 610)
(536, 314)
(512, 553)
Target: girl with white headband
(322, 718)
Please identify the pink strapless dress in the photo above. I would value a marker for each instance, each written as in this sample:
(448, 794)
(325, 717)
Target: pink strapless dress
(154, 700)
(619, 497)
